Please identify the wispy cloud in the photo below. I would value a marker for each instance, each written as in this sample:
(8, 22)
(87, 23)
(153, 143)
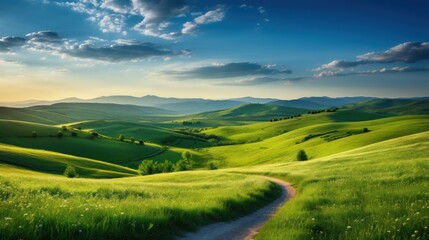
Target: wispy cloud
(156, 16)
(228, 70)
(261, 80)
(342, 73)
(94, 48)
(409, 52)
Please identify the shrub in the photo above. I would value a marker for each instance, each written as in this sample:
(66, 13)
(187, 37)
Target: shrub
(121, 137)
(70, 171)
(186, 155)
(141, 142)
(167, 166)
(34, 134)
(301, 155)
(64, 128)
(147, 167)
(183, 165)
(212, 166)
(365, 130)
(60, 134)
(95, 134)
(74, 134)
(132, 139)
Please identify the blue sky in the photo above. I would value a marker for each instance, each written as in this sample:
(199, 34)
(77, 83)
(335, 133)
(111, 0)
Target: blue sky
(52, 49)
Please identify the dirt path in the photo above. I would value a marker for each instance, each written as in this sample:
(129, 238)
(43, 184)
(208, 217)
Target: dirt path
(247, 227)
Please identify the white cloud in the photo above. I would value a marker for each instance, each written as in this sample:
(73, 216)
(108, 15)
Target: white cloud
(211, 16)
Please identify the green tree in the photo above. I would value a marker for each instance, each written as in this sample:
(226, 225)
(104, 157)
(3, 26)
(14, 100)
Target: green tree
(70, 171)
(60, 134)
(186, 156)
(74, 134)
(365, 130)
(301, 155)
(141, 142)
(121, 137)
(132, 139)
(64, 128)
(167, 166)
(148, 167)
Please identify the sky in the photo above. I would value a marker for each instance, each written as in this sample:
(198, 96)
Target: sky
(54, 49)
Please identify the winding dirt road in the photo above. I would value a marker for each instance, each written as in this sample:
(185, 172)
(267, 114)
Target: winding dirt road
(244, 228)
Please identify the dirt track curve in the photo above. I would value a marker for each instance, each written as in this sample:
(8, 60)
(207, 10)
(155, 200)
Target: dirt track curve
(244, 228)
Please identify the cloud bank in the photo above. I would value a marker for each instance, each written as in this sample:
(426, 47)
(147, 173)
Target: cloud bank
(120, 50)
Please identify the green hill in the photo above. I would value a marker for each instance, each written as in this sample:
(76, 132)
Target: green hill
(251, 112)
(393, 106)
(73, 112)
(317, 139)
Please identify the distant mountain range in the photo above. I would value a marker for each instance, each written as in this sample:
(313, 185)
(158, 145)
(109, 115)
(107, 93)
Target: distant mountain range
(197, 105)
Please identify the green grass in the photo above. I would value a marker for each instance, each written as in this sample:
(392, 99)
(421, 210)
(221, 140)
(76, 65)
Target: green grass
(283, 148)
(379, 191)
(54, 162)
(41, 206)
(393, 106)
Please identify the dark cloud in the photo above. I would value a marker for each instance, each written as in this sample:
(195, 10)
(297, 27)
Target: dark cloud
(261, 80)
(229, 70)
(124, 51)
(341, 73)
(8, 43)
(43, 37)
(409, 52)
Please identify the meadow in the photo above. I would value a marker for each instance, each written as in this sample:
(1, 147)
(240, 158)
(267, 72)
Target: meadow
(366, 176)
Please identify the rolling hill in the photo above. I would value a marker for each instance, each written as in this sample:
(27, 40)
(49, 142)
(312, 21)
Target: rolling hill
(319, 102)
(251, 112)
(393, 106)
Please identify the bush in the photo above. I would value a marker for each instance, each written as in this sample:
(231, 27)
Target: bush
(148, 167)
(183, 165)
(70, 171)
(60, 134)
(301, 155)
(74, 134)
(365, 130)
(121, 137)
(167, 166)
(34, 134)
(141, 142)
(95, 134)
(186, 155)
(212, 166)
(64, 128)
(132, 139)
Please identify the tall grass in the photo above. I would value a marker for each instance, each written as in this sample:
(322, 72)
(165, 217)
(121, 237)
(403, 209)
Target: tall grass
(39, 206)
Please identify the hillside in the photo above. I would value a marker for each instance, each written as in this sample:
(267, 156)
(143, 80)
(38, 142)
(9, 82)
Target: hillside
(72, 112)
(393, 106)
(319, 102)
(251, 112)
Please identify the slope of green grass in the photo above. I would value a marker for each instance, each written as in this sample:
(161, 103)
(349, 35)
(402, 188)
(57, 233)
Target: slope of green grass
(379, 191)
(144, 131)
(264, 130)
(283, 148)
(393, 106)
(54, 162)
(83, 145)
(41, 206)
(251, 112)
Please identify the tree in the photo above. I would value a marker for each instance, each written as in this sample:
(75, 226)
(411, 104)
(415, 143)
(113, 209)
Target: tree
(60, 134)
(74, 134)
(34, 134)
(365, 130)
(186, 155)
(95, 134)
(301, 155)
(132, 140)
(121, 137)
(182, 165)
(70, 171)
(64, 128)
(148, 167)
(167, 166)
(141, 142)
(212, 166)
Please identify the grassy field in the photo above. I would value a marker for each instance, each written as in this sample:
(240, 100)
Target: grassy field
(41, 206)
(367, 176)
(379, 191)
